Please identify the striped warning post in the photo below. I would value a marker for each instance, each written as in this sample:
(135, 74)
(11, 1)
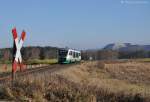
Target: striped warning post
(18, 43)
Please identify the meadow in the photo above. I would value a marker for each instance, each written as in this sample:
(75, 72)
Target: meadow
(90, 81)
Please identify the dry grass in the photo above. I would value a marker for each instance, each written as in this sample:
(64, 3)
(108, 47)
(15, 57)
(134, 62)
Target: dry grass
(85, 82)
(133, 72)
(54, 88)
(45, 87)
(128, 78)
(5, 68)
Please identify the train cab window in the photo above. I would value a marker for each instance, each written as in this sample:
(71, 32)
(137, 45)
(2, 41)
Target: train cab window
(63, 53)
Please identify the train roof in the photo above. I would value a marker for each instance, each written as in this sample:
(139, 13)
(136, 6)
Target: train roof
(69, 49)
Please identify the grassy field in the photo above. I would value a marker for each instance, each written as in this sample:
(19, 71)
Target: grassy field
(129, 78)
(144, 60)
(45, 61)
(97, 81)
(7, 66)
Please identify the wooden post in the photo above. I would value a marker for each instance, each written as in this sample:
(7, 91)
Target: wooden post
(13, 59)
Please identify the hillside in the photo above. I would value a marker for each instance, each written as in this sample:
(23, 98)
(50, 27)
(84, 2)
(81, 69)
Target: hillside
(127, 47)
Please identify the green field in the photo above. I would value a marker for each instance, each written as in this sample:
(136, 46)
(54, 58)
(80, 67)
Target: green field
(6, 66)
(45, 61)
(144, 60)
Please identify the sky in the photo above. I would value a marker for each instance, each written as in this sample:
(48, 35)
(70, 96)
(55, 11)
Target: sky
(79, 24)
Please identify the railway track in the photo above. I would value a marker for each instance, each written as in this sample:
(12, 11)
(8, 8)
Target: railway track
(50, 69)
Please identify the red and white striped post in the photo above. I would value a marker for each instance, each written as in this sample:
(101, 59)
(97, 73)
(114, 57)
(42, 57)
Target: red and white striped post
(17, 58)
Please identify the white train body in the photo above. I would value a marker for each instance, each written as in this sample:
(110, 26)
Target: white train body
(69, 56)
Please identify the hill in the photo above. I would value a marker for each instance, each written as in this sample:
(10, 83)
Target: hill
(127, 47)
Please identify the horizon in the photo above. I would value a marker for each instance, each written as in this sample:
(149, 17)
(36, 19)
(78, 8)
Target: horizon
(76, 24)
(78, 49)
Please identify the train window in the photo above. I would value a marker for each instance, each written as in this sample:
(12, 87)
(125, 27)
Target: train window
(79, 54)
(70, 53)
(74, 54)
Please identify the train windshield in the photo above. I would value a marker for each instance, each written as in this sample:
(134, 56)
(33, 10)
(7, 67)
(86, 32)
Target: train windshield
(63, 53)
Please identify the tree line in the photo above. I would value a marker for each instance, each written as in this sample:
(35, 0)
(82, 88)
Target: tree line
(31, 53)
(111, 54)
(52, 53)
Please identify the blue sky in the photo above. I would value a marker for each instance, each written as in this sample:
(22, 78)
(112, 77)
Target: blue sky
(80, 24)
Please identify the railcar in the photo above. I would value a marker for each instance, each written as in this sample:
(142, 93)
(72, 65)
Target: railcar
(68, 56)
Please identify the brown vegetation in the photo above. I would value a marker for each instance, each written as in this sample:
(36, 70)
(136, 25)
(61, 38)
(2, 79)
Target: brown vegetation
(133, 72)
(85, 82)
(108, 76)
(57, 89)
